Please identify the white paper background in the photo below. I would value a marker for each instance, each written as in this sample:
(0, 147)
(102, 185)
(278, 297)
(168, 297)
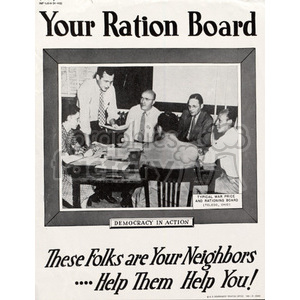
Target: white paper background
(59, 283)
(17, 227)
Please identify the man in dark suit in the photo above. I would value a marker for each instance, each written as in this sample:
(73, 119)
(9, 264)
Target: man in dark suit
(195, 125)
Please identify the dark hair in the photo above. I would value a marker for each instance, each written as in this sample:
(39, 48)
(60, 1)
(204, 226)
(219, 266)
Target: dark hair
(69, 110)
(109, 70)
(198, 97)
(168, 122)
(230, 113)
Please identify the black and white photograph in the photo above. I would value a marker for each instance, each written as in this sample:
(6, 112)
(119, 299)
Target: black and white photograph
(150, 149)
(157, 132)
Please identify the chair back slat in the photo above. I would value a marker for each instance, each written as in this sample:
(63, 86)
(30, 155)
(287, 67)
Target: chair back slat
(158, 193)
(168, 184)
(146, 187)
(178, 194)
(189, 199)
(169, 194)
(173, 193)
(164, 194)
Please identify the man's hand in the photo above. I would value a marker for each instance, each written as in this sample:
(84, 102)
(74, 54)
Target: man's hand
(88, 153)
(201, 157)
(115, 126)
(87, 139)
(77, 148)
(113, 123)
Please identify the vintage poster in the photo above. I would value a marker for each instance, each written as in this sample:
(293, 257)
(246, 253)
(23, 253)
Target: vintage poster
(150, 130)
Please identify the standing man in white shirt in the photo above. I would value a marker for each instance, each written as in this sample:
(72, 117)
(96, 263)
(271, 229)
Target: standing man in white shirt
(97, 101)
(141, 119)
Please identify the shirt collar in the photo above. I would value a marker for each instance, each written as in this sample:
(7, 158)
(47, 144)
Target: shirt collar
(196, 116)
(147, 112)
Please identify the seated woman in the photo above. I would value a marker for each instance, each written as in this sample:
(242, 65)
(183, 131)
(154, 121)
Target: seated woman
(72, 151)
(166, 152)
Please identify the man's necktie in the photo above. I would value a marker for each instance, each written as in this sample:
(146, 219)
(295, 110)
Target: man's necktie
(141, 134)
(101, 111)
(193, 122)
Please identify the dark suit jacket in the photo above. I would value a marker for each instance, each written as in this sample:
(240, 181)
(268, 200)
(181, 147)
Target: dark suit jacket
(200, 136)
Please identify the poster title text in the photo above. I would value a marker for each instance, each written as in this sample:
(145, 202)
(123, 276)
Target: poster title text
(141, 26)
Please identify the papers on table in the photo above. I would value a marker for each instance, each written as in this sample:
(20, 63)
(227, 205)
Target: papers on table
(113, 165)
(89, 161)
(119, 128)
(131, 146)
(117, 153)
(102, 163)
(209, 166)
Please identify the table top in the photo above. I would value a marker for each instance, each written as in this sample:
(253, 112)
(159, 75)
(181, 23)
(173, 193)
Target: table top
(104, 167)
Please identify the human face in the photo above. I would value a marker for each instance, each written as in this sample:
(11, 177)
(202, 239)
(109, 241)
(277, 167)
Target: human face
(146, 101)
(74, 120)
(223, 123)
(105, 81)
(194, 106)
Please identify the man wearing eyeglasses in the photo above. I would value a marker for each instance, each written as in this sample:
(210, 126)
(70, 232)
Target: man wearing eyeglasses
(195, 124)
(141, 119)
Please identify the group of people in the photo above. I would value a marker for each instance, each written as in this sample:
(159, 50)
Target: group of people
(171, 142)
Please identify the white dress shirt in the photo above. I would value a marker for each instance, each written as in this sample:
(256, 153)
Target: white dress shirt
(88, 96)
(133, 122)
(227, 151)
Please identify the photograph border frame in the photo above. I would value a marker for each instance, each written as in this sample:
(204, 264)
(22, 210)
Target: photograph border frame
(246, 57)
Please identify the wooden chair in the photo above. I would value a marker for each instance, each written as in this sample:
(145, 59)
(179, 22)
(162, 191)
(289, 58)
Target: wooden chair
(168, 184)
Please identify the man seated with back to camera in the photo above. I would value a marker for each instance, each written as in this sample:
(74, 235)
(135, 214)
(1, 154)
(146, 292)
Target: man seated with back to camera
(166, 152)
(226, 150)
(195, 125)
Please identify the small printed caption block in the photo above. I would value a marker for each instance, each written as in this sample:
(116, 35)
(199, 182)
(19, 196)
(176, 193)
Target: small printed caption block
(216, 201)
(151, 222)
